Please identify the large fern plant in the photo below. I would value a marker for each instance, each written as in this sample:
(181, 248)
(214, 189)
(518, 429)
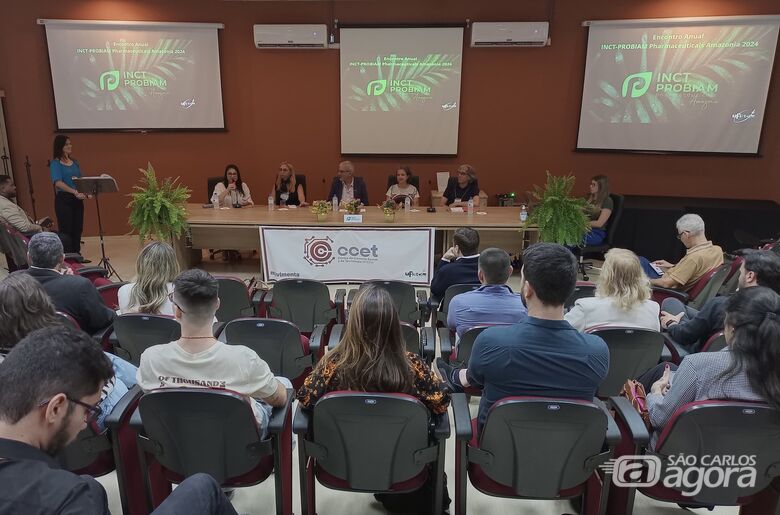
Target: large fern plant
(158, 207)
(560, 217)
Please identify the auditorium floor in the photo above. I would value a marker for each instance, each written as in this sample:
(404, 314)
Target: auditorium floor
(259, 499)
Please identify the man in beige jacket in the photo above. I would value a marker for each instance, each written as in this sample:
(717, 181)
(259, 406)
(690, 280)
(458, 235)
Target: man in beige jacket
(12, 214)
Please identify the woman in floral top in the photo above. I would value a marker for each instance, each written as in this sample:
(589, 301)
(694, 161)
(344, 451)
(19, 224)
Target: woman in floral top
(371, 357)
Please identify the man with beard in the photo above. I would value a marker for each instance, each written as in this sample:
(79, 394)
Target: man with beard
(13, 214)
(51, 384)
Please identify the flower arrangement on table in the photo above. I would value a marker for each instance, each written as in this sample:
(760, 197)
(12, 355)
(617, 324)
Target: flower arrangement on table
(388, 207)
(321, 208)
(353, 206)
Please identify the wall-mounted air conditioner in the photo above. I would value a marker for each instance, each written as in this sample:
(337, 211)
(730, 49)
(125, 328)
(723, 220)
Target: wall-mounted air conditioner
(509, 34)
(291, 36)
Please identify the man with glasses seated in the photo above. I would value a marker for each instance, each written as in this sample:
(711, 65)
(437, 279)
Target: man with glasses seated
(346, 187)
(198, 359)
(51, 383)
(700, 257)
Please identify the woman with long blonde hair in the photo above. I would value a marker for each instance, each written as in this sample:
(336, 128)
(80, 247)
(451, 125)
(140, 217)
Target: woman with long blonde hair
(622, 297)
(155, 270)
(287, 191)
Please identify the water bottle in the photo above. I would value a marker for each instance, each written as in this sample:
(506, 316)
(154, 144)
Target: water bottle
(270, 202)
(523, 214)
(471, 206)
(335, 202)
(407, 204)
(215, 200)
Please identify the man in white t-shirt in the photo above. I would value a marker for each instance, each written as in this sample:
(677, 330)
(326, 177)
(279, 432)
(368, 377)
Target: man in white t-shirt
(197, 359)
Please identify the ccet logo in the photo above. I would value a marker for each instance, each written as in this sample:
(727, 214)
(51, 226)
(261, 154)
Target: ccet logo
(639, 82)
(109, 80)
(376, 87)
(318, 251)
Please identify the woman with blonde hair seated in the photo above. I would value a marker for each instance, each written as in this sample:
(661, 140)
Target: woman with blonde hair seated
(155, 270)
(622, 297)
(287, 191)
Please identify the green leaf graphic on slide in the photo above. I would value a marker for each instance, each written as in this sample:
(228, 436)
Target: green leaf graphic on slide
(707, 67)
(427, 72)
(171, 58)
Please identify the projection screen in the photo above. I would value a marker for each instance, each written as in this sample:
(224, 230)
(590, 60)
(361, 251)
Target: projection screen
(135, 75)
(400, 90)
(689, 85)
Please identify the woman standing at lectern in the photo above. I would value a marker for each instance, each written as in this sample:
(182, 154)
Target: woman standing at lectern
(68, 203)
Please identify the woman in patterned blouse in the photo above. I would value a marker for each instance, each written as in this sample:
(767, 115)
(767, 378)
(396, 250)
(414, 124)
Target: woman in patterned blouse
(371, 357)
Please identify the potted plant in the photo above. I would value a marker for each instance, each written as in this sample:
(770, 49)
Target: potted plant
(353, 206)
(560, 217)
(388, 208)
(321, 208)
(157, 209)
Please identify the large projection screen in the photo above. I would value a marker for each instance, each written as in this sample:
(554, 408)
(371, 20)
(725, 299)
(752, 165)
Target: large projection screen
(135, 75)
(677, 85)
(400, 90)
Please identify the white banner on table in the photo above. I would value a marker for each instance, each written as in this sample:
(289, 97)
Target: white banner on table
(347, 254)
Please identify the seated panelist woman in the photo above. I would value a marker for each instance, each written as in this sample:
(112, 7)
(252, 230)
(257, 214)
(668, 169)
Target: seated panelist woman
(462, 188)
(232, 191)
(287, 191)
(600, 209)
(402, 190)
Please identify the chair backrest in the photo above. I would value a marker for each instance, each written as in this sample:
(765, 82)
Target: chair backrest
(631, 352)
(234, 300)
(303, 302)
(466, 344)
(277, 342)
(582, 290)
(404, 298)
(455, 289)
(14, 245)
(614, 218)
(90, 454)
(69, 318)
(411, 336)
(707, 287)
(715, 343)
(110, 294)
(136, 332)
(301, 179)
(539, 446)
(731, 283)
(371, 440)
(414, 180)
(211, 183)
(725, 428)
(199, 430)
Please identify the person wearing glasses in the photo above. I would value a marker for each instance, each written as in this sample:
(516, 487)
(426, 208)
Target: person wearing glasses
(462, 188)
(701, 256)
(40, 417)
(287, 192)
(346, 187)
(231, 190)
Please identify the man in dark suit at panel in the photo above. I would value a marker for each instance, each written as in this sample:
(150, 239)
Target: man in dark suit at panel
(347, 187)
(72, 294)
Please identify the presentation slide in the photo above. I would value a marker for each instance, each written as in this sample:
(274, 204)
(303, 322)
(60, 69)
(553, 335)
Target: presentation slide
(699, 85)
(156, 76)
(400, 90)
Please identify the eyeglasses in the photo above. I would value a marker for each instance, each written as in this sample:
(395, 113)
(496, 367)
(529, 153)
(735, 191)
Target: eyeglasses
(680, 234)
(92, 412)
(462, 173)
(170, 297)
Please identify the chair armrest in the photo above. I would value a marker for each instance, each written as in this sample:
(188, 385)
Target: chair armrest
(462, 416)
(279, 414)
(268, 299)
(445, 345)
(74, 256)
(428, 334)
(422, 305)
(672, 349)
(257, 299)
(633, 421)
(335, 336)
(301, 421)
(104, 335)
(92, 270)
(660, 293)
(338, 300)
(114, 418)
(441, 426)
(351, 296)
(135, 421)
(316, 340)
(612, 436)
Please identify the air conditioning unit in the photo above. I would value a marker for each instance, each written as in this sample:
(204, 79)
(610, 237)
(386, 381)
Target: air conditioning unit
(509, 34)
(291, 36)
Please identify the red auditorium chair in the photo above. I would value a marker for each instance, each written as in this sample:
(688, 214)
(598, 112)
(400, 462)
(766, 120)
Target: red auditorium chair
(110, 294)
(697, 295)
(632, 351)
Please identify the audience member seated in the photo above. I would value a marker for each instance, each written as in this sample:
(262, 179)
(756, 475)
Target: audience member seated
(155, 269)
(39, 418)
(346, 187)
(748, 369)
(13, 214)
(402, 189)
(542, 356)
(462, 188)
(622, 297)
(459, 264)
(600, 209)
(287, 192)
(232, 191)
(25, 307)
(492, 303)
(71, 294)
(700, 257)
(198, 359)
(691, 328)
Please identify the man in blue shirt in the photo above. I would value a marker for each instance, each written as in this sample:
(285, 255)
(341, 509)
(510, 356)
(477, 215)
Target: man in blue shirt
(492, 303)
(458, 265)
(542, 356)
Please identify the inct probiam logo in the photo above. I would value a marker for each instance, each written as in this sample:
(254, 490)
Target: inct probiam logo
(318, 251)
(376, 87)
(109, 80)
(639, 83)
